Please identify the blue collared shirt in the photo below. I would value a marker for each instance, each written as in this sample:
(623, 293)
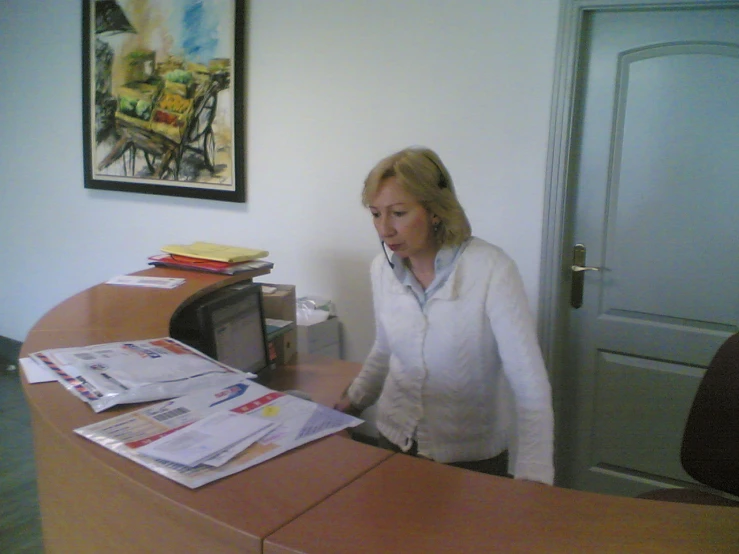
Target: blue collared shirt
(446, 259)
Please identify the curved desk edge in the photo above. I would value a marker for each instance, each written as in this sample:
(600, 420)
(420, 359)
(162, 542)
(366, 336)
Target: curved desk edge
(93, 499)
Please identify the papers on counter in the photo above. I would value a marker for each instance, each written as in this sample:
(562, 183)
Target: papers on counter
(207, 266)
(216, 252)
(143, 281)
(153, 430)
(104, 375)
(208, 438)
(36, 373)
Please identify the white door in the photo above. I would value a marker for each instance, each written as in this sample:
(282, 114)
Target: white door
(655, 204)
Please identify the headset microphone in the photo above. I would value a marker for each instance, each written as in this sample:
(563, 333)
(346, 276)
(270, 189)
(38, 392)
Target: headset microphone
(392, 265)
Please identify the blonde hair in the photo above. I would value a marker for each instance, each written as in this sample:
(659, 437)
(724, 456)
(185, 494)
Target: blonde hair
(422, 174)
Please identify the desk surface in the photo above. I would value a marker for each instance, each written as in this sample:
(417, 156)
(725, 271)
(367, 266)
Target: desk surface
(93, 500)
(332, 495)
(127, 312)
(409, 505)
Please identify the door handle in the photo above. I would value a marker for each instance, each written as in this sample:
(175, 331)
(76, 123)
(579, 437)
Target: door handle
(578, 269)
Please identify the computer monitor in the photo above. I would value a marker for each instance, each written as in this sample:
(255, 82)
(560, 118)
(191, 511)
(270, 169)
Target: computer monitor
(228, 325)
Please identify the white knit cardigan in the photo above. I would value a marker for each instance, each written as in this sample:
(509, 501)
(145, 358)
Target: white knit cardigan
(463, 375)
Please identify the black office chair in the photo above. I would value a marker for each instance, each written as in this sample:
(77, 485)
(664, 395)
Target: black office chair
(710, 447)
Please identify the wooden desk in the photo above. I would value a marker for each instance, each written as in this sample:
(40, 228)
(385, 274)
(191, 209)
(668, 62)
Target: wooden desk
(126, 313)
(409, 505)
(333, 495)
(93, 500)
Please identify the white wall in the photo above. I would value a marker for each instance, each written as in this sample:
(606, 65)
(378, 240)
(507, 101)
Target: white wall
(333, 86)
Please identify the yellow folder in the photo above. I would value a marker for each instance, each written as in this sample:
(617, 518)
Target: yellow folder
(218, 252)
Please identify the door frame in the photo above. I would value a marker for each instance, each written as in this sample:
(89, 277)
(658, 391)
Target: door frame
(560, 186)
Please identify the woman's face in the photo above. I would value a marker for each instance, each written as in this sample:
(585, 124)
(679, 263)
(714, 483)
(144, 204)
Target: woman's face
(402, 222)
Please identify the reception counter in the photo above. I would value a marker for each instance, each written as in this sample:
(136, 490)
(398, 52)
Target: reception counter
(332, 495)
(414, 506)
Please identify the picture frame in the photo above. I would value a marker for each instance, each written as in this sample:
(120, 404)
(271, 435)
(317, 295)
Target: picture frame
(163, 97)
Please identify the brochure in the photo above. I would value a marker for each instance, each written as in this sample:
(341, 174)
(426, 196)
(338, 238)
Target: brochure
(105, 375)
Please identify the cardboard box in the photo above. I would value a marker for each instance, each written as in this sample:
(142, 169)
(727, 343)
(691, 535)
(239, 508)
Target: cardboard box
(286, 347)
(330, 351)
(280, 304)
(321, 338)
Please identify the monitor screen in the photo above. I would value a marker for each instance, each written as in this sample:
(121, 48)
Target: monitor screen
(232, 325)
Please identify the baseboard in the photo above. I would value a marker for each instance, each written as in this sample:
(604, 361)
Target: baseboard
(9, 349)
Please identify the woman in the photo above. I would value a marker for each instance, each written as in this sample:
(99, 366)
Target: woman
(456, 369)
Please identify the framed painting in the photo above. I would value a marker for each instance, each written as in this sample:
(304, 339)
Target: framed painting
(163, 97)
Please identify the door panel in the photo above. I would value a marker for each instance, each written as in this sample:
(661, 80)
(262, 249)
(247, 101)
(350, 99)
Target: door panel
(676, 135)
(657, 198)
(639, 413)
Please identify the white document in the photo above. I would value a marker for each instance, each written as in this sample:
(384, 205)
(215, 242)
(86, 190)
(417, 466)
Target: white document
(105, 375)
(143, 281)
(226, 455)
(203, 439)
(36, 373)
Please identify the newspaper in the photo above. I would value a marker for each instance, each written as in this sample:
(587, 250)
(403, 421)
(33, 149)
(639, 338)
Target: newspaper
(105, 375)
(296, 421)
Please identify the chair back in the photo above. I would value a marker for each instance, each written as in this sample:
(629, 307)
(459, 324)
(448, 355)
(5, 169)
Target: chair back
(710, 447)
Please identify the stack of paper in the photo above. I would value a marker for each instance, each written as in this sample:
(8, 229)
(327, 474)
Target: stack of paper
(215, 432)
(208, 266)
(104, 375)
(212, 441)
(216, 252)
(211, 258)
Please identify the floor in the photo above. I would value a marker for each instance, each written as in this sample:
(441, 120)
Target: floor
(20, 523)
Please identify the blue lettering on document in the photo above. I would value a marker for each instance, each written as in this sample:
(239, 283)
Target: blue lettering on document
(143, 352)
(228, 393)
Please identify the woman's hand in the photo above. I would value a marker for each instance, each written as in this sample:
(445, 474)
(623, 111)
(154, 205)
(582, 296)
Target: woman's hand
(345, 405)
